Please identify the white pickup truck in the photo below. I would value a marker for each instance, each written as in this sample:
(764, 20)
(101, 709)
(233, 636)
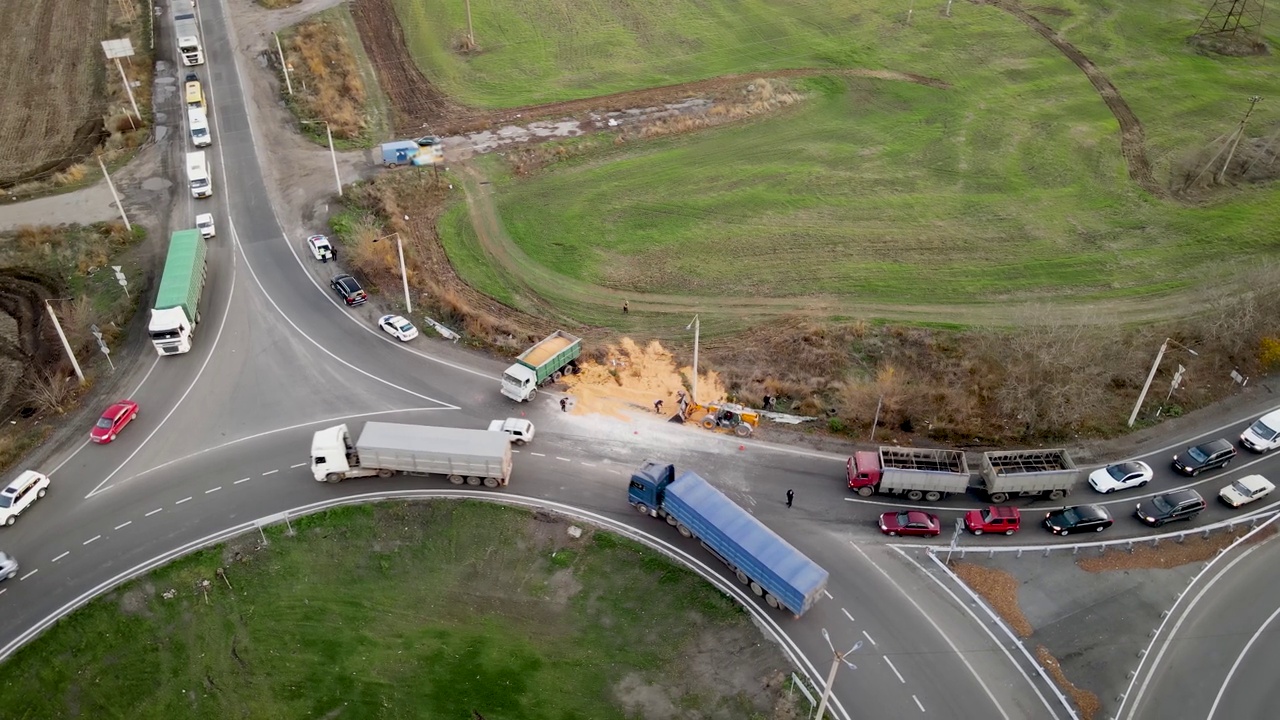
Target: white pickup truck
(520, 431)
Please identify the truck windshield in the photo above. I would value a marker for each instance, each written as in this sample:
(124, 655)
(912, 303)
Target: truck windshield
(511, 379)
(198, 184)
(165, 334)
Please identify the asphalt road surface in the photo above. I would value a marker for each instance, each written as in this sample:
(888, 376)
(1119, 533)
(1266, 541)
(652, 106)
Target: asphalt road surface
(224, 432)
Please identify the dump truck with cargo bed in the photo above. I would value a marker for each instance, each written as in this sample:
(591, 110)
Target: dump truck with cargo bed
(1028, 473)
(177, 308)
(473, 457)
(547, 361)
(771, 567)
(919, 473)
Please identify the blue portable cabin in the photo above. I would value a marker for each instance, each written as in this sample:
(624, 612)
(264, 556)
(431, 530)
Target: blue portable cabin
(400, 152)
(731, 533)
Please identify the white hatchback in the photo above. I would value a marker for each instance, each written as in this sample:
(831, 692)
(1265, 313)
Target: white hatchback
(18, 496)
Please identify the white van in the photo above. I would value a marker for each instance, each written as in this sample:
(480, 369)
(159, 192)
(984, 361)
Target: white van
(1264, 434)
(198, 175)
(199, 123)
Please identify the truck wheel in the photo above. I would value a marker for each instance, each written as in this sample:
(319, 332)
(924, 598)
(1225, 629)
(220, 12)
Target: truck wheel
(473, 480)
(492, 482)
(999, 497)
(532, 394)
(456, 479)
(866, 490)
(671, 521)
(933, 496)
(555, 376)
(333, 478)
(1057, 495)
(642, 508)
(708, 422)
(770, 600)
(684, 530)
(914, 495)
(742, 430)
(742, 577)
(755, 588)
(385, 473)
(390, 165)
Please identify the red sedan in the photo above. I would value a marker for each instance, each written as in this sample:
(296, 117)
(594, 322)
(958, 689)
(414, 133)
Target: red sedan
(113, 421)
(910, 522)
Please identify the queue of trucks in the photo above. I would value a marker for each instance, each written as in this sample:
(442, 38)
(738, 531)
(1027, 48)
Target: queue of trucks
(933, 474)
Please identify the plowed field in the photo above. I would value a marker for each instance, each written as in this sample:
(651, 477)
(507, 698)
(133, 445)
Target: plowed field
(53, 85)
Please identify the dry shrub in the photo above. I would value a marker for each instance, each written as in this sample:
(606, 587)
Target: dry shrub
(71, 175)
(49, 391)
(31, 237)
(326, 78)
(1269, 352)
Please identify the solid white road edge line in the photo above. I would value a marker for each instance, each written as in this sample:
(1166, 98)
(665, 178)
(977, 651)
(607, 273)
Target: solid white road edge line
(1223, 688)
(763, 618)
(1003, 626)
(936, 628)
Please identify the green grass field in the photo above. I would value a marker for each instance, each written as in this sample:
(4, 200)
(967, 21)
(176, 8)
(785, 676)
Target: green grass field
(1008, 186)
(395, 611)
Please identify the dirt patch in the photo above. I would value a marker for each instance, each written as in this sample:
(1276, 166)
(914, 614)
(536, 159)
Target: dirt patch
(1236, 44)
(326, 78)
(1170, 553)
(1132, 135)
(415, 101)
(563, 586)
(999, 589)
(627, 376)
(135, 601)
(1086, 702)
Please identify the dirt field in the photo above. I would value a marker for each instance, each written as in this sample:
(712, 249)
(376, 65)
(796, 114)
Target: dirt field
(61, 86)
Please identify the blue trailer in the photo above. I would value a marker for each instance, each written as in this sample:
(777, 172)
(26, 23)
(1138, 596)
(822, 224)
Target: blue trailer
(763, 561)
(400, 152)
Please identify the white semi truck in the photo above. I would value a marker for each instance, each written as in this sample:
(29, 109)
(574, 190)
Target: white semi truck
(472, 457)
(187, 31)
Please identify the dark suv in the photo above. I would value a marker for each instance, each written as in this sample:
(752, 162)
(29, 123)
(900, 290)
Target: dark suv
(1205, 456)
(349, 290)
(1177, 505)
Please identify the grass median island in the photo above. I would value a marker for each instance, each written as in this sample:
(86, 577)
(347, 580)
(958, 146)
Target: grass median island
(434, 610)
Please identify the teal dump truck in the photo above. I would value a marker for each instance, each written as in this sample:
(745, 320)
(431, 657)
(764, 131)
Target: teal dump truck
(547, 361)
(177, 308)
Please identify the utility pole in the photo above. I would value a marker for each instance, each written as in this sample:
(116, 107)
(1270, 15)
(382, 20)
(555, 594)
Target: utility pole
(837, 658)
(697, 326)
(1239, 134)
(471, 33)
(283, 65)
(65, 345)
(1151, 375)
(112, 187)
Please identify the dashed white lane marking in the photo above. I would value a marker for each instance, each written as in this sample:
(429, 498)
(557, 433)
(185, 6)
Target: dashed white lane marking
(587, 464)
(615, 472)
(33, 572)
(183, 500)
(291, 467)
(3, 590)
(918, 703)
(868, 637)
(123, 524)
(829, 595)
(846, 614)
(564, 459)
(212, 490)
(61, 556)
(270, 472)
(538, 454)
(240, 481)
(894, 669)
(95, 537)
(153, 512)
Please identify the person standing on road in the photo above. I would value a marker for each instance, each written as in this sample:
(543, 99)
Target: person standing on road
(333, 253)
(657, 406)
(564, 405)
(791, 495)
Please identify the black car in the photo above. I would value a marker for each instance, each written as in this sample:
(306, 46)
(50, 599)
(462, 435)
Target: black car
(349, 290)
(1205, 456)
(1080, 518)
(1176, 505)
(192, 77)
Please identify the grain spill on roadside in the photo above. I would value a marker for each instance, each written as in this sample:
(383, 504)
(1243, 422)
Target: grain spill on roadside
(1169, 553)
(999, 589)
(1086, 702)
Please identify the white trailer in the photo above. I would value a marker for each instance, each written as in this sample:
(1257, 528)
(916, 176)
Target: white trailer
(473, 457)
(198, 175)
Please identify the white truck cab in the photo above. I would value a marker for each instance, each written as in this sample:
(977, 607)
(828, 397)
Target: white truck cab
(519, 431)
(331, 453)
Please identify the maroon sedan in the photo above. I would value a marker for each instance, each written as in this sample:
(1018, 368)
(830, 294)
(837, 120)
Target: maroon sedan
(910, 522)
(113, 421)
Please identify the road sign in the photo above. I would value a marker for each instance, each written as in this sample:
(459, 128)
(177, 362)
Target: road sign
(96, 332)
(105, 350)
(1177, 377)
(120, 278)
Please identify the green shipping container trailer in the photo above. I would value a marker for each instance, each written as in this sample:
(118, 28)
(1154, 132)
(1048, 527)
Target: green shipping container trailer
(177, 307)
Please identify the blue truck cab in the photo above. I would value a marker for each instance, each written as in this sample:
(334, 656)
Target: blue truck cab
(771, 567)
